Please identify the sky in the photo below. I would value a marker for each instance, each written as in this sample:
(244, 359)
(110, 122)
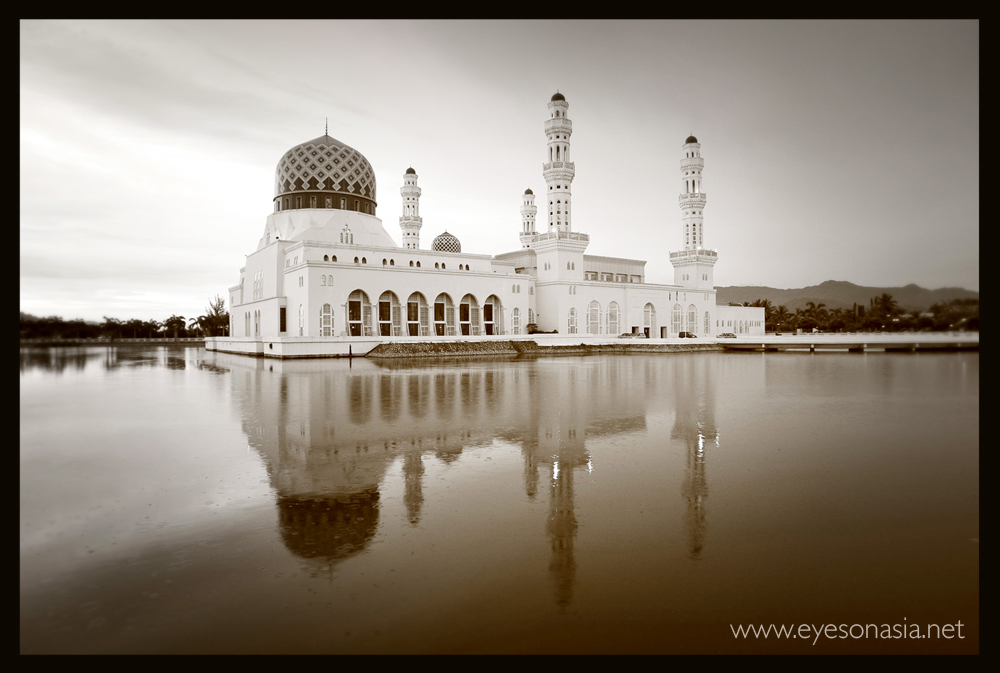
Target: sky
(833, 150)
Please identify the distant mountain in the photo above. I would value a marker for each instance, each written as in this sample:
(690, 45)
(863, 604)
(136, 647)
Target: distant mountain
(841, 294)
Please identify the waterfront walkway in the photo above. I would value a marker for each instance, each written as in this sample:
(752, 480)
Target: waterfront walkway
(856, 342)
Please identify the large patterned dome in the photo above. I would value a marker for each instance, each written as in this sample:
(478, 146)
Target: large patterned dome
(324, 165)
(446, 243)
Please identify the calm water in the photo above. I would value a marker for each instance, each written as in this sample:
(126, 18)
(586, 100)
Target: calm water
(174, 500)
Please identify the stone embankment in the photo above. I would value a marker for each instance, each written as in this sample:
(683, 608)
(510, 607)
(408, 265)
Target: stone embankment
(451, 349)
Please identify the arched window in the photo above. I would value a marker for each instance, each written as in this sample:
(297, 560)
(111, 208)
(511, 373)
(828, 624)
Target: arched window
(594, 318)
(677, 319)
(390, 315)
(411, 262)
(444, 316)
(326, 258)
(571, 322)
(531, 290)
(443, 265)
(531, 316)
(613, 318)
(356, 260)
(515, 317)
(708, 324)
(359, 314)
(326, 321)
(468, 316)
(385, 262)
(364, 260)
(418, 265)
(493, 316)
(392, 262)
(436, 265)
(692, 321)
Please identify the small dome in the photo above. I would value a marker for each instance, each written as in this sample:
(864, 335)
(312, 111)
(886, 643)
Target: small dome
(528, 191)
(691, 139)
(410, 171)
(558, 96)
(446, 243)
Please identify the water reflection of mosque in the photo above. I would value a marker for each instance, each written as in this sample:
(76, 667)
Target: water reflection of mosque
(330, 431)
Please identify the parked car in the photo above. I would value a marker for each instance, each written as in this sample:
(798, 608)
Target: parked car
(687, 335)
(726, 335)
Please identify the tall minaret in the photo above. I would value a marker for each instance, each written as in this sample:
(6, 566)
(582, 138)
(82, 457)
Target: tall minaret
(559, 170)
(410, 222)
(692, 197)
(693, 265)
(528, 210)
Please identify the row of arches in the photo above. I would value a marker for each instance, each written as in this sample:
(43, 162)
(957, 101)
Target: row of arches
(416, 316)
(739, 326)
(596, 321)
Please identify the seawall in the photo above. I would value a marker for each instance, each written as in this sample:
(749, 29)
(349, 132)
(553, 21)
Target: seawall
(519, 347)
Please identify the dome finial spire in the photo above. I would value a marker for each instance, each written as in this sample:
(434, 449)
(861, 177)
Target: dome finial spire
(326, 127)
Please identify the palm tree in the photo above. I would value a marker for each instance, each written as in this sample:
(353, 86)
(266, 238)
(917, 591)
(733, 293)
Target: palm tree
(152, 326)
(113, 327)
(782, 318)
(836, 320)
(135, 325)
(886, 305)
(174, 322)
(769, 312)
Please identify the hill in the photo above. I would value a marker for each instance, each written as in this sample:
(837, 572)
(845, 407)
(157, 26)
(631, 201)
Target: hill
(842, 294)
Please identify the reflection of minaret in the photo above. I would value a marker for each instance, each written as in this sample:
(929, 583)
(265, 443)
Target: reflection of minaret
(413, 494)
(695, 424)
(562, 415)
(561, 526)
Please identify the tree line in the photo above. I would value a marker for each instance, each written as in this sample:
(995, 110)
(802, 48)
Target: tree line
(214, 322)
(882, 314)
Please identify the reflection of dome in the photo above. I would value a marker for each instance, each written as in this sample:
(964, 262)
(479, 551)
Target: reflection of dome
(691, 139)
(446, 243)
(324, 165)
(329, 528)
(528, 191)
(410, 171)
(558, 96)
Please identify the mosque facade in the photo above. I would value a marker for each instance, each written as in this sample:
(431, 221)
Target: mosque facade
(326, 272)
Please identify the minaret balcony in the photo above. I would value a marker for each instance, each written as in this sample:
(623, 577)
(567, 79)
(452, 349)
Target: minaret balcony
(568, 165)
(558, 124)
(415, 219)
(692, 162)
(694, 197)
(700, 252)
(567, 235)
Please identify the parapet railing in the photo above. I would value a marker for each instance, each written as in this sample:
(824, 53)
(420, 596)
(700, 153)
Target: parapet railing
(693, 253)
(570, 235)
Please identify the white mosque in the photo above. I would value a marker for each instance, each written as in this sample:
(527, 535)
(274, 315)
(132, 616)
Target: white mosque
(327, 279)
